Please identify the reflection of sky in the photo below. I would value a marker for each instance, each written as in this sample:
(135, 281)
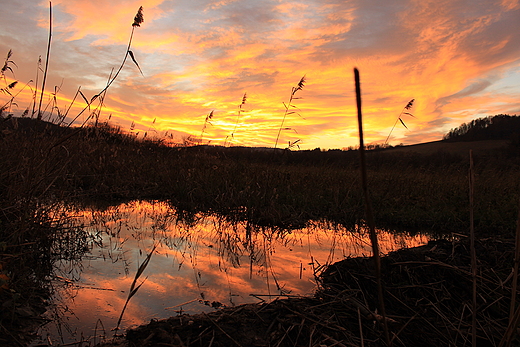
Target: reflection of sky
(209, 260)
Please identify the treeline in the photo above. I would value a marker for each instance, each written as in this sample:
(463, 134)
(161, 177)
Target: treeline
(499, 127)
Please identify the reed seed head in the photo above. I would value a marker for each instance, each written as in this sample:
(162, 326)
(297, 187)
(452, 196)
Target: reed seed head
(138, 19)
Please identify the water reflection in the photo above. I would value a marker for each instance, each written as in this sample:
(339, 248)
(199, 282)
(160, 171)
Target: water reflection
(197, 263)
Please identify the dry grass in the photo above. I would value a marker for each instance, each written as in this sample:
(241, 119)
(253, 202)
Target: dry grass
(290, 108)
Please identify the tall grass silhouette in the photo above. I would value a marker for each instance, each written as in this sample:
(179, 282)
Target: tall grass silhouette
(404, 111)
(289, 106)
(368, 208)
(207, 121)
(39, 116)
(232, 135)
(138, 20)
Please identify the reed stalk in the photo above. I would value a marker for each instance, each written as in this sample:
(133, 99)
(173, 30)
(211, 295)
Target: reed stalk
(515, 268)
(138, 20)
(244, 99)
(368, 208)
(38, 69)
(209, 117)
(408, 106)
(472, 250)
(289, 106)
(514, 312)
(46, 62)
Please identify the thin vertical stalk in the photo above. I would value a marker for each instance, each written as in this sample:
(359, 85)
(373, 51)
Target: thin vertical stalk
(283, 120)
(288, 106)
(38, 69)
(514, 313)
(473, 251)
(46, 62)
(137, 22)
(368, 208)
(515, 268)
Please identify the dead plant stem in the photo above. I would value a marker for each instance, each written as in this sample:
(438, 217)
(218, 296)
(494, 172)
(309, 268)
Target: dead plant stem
(473, 252)
(46, 62)
(368, 208)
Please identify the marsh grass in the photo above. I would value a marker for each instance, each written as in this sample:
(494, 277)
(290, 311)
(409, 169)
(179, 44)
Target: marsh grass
(290, 108)
(42, 90)
(207, 121)
(36, 156)
(404, 111)
(232, 135)
(45, 162)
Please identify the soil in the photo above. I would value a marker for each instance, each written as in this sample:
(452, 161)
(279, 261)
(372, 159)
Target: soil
(428, 302)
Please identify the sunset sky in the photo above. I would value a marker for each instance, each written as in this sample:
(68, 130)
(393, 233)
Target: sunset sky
(459, 60)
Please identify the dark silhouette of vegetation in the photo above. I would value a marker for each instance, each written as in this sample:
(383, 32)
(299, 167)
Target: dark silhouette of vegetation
(499, 127)
(45, 165)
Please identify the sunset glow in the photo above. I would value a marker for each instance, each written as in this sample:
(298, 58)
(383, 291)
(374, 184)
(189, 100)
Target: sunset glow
(458, 60)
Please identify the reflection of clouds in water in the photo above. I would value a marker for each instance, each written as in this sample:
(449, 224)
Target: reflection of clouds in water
(212, 260)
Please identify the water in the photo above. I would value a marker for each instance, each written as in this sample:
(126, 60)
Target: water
(197, 263)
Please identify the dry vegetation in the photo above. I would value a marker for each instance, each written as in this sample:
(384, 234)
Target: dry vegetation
(45, 164)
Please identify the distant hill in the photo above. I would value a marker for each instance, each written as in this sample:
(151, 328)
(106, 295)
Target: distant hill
(499, 127)
(482, 135)
(459, 148)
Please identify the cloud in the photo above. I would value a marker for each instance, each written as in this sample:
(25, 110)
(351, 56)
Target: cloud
(199, 56)
(474, 88)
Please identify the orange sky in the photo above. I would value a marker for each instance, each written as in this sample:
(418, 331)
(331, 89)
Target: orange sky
(458, 60)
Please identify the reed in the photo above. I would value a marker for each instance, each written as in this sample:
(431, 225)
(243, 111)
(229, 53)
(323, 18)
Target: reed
(473, 251)
(232, 135)
(207, 121)
(138, 20)
(404, 111)
(368, 210)
(39, 116)
(289, 107)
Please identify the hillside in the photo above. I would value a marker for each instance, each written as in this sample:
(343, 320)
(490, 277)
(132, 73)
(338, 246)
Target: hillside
(459, 148)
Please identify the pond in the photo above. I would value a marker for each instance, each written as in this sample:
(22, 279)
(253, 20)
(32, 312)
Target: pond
(198, 263)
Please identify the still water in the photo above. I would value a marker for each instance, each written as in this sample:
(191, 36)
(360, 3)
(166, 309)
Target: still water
(197, 262)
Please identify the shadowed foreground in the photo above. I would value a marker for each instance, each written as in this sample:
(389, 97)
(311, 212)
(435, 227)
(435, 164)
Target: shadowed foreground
(428, 300)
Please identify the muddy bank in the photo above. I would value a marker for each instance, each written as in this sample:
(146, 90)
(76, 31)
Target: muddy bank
(428, 303)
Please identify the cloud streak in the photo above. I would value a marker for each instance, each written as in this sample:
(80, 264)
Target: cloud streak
(198, 56)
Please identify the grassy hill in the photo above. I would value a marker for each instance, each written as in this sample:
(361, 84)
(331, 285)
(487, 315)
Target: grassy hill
(459, 148)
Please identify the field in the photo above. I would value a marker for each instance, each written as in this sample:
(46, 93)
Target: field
(415, 188)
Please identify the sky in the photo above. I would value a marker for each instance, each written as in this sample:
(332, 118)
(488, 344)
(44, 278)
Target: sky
(458, 60)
